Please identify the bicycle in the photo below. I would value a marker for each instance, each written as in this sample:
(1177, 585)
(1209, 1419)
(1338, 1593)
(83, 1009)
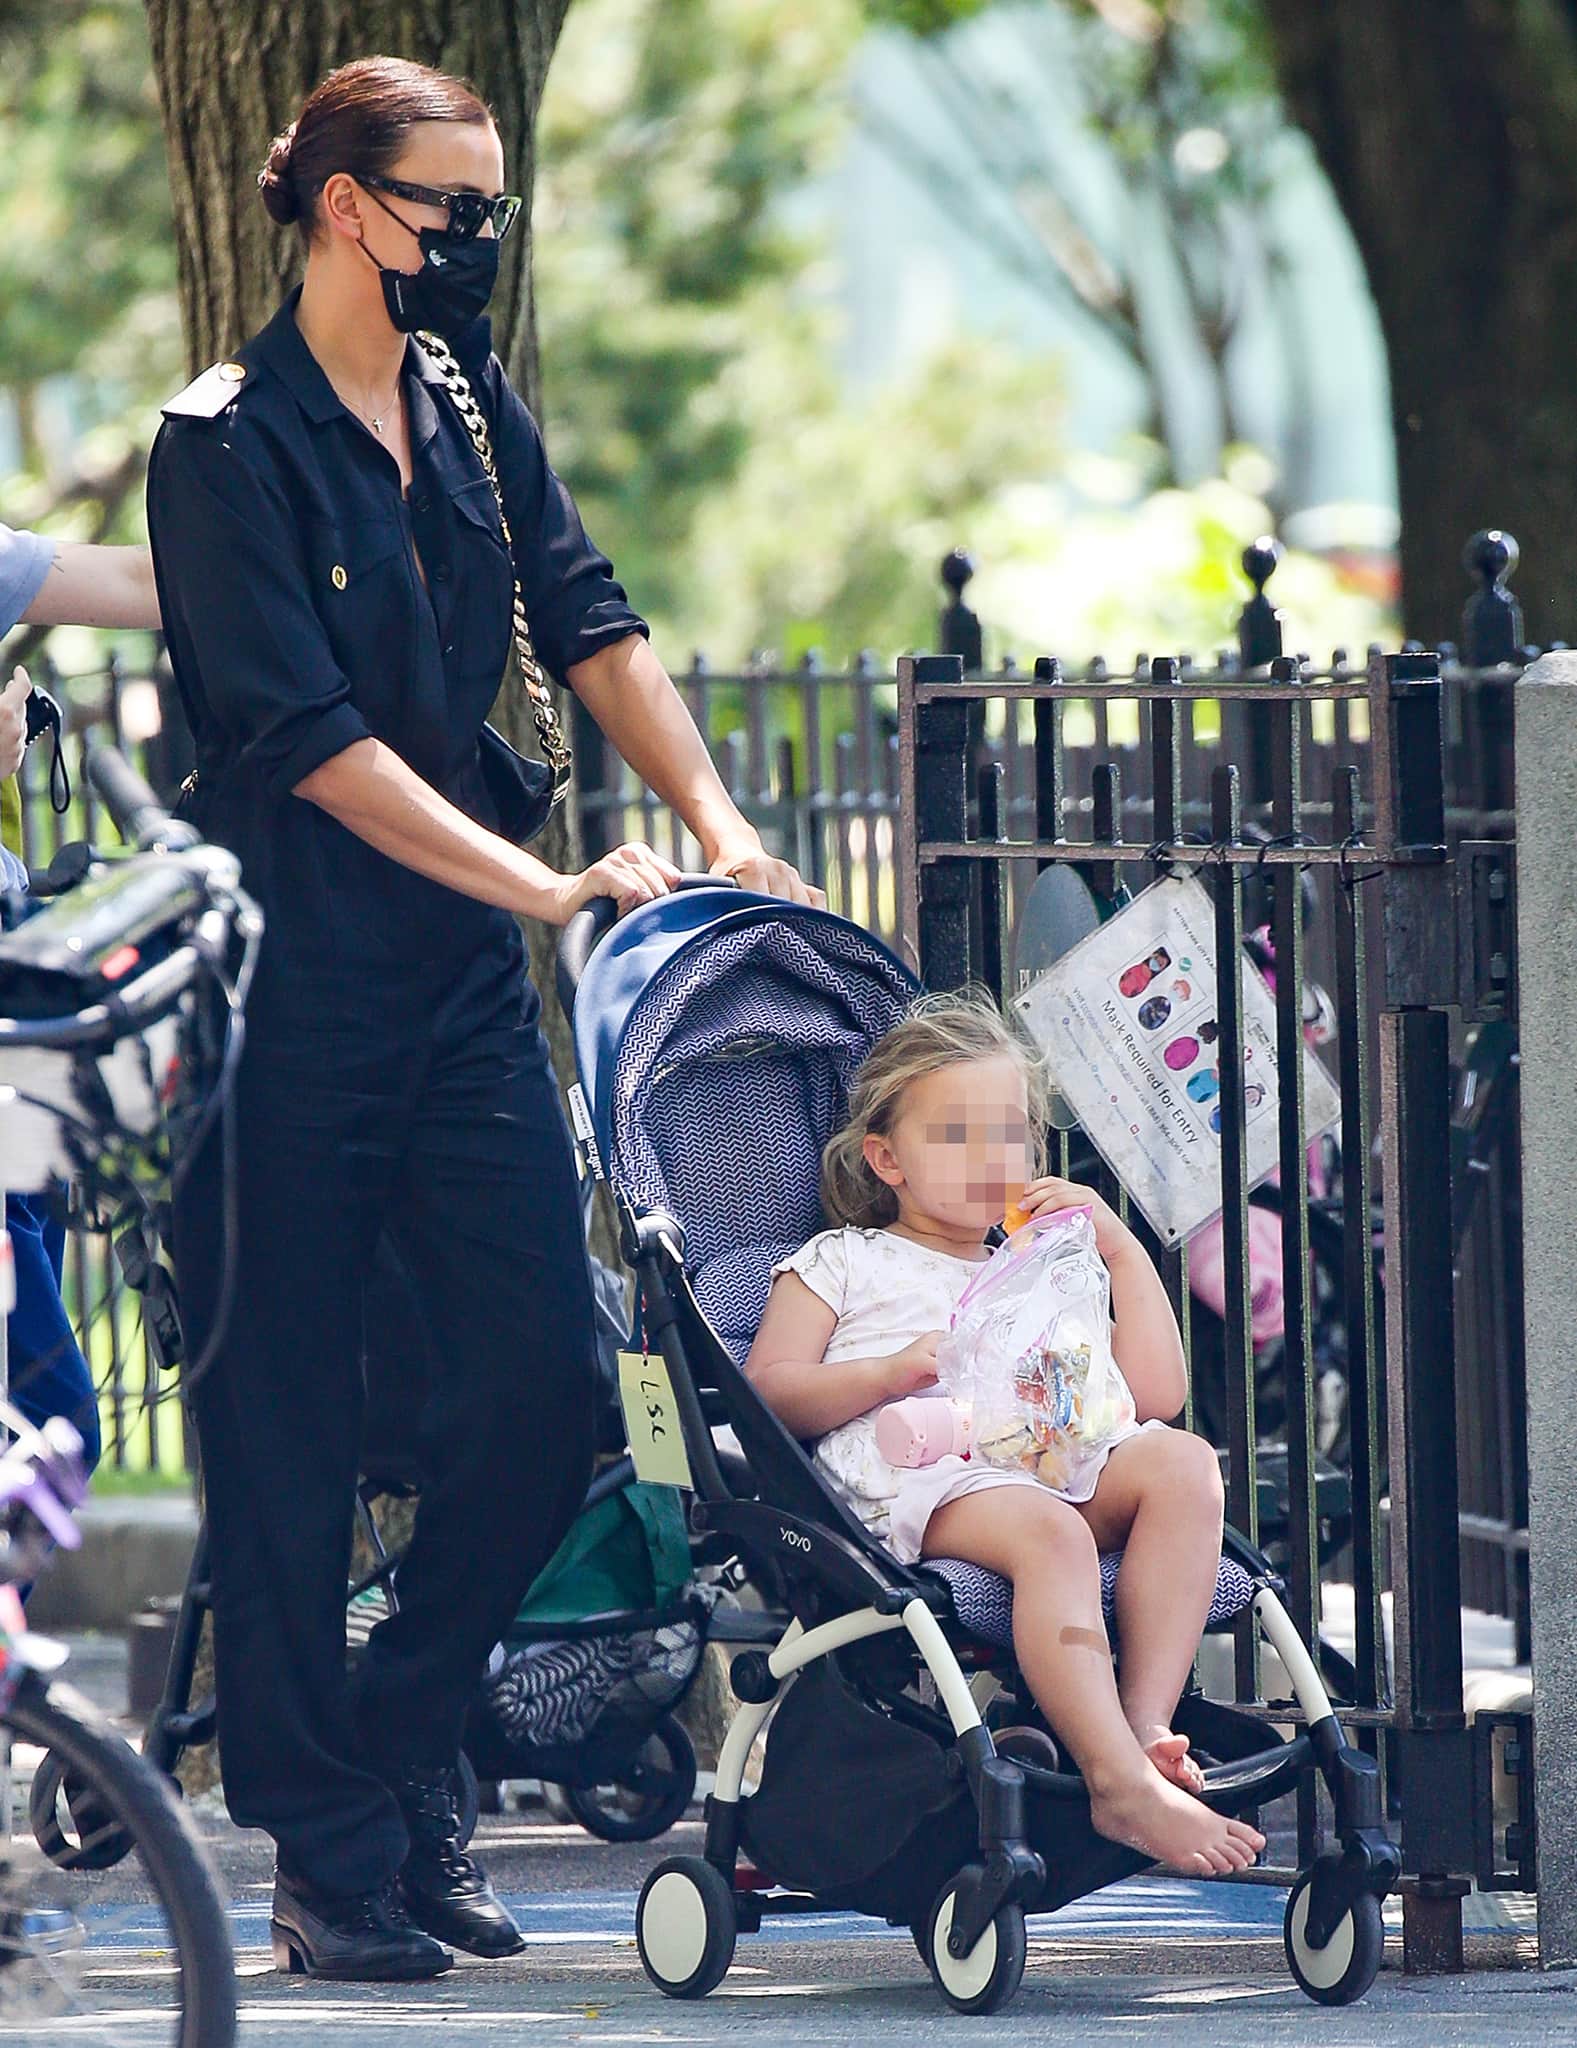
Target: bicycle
(76, 1946)
(123, 985)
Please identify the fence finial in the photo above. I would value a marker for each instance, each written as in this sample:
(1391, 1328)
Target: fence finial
(1259, 622)
(960, 627)
(1492, 620)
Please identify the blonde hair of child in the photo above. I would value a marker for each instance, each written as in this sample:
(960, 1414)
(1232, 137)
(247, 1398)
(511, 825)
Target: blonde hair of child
(945, 1030)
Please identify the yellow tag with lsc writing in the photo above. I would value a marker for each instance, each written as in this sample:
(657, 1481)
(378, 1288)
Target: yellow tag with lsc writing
(651, 1421)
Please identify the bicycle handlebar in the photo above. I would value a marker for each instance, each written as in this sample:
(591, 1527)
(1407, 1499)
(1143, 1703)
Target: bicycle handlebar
(43, 1474)
(136, 812)
(138, 1004)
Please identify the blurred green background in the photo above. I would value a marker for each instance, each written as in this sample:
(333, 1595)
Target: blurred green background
(820, 297)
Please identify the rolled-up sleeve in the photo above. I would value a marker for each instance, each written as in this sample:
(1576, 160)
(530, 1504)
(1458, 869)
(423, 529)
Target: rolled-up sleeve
(234, 590)
(573, 600)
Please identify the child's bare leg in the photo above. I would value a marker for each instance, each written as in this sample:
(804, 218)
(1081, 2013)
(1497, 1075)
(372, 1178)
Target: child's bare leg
(1046, 1549)
(1159, 1502)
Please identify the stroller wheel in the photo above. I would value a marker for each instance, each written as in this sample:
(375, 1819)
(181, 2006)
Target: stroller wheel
(686, 1924)
(68, 1823)
(650, 1793)
(985, 1979)
(1345, 1968)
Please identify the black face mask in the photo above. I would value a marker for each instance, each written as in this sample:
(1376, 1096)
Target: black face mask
(450, 290)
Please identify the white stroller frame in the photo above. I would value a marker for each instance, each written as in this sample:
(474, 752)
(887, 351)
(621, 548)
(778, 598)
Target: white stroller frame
(690, 1914)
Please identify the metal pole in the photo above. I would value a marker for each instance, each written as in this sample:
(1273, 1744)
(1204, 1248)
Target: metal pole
(1546, 782)
(1415, 1079)
(934, 752)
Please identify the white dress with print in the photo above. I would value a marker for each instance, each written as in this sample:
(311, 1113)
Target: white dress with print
(886, 1291)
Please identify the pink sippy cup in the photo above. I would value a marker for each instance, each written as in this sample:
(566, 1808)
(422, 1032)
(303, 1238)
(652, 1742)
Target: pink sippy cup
(920, 1429)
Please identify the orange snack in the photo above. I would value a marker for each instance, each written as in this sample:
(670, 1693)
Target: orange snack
(1015, 1219)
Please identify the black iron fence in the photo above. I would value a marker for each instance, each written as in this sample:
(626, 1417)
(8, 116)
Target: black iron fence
(1070, 756)
(1365, 812)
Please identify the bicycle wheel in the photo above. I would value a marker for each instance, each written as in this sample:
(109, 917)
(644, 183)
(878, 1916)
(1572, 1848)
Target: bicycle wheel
(136, 1953)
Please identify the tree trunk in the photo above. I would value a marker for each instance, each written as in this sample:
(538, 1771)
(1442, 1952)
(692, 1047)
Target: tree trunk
(231, 74)
(1450, 136)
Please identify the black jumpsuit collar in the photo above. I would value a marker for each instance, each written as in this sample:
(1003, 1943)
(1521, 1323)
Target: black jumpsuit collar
(282, 348)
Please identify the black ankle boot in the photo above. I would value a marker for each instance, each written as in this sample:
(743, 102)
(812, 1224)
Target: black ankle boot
(445, 1890)
(369, 1938)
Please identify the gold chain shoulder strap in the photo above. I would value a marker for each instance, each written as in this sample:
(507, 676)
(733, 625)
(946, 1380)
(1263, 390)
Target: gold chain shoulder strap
(539, 694)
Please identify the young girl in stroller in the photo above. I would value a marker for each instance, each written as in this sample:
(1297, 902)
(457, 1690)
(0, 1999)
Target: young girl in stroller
(940, 1144)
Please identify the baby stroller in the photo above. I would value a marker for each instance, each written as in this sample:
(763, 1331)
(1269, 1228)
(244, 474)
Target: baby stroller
(716, 1036)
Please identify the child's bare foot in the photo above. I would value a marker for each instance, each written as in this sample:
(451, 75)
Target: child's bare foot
(1169, 1754)
(1158, 1818)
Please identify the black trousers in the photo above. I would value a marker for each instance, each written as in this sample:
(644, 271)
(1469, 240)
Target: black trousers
(433, 1115)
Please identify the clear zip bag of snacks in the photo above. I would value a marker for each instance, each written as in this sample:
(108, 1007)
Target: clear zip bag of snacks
(1030, 1355)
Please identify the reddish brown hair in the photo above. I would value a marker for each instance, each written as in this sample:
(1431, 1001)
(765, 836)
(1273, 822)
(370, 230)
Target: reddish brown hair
(357, 120)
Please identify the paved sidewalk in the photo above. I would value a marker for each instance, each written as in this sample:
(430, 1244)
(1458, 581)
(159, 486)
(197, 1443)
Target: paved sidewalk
(1200, 1963)
(1188, 1963)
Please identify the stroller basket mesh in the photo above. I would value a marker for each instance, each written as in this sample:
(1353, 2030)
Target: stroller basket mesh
(551, 1694)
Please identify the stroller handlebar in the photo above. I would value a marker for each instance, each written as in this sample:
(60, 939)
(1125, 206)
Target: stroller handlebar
(590, 926)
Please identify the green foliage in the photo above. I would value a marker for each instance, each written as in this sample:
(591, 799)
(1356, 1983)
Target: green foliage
(832, 534)
(1101, 563)
(85, 240)
(693, 403)
(670, 133)
(924, 17)
(90, 336)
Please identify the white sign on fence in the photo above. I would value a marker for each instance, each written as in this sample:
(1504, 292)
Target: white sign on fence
(1127, 1019)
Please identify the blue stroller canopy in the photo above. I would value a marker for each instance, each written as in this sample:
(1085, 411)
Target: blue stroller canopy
(716, 1036)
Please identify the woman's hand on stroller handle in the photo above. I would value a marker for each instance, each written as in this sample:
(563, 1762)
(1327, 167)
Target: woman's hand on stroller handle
(631, 875)
(763, 873)
(594, 918)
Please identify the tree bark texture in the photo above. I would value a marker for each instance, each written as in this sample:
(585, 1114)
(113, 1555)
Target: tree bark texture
(231, 74)
(1449, 132)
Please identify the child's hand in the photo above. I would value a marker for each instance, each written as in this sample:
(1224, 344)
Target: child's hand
(913, 1369)
(1113, 1238)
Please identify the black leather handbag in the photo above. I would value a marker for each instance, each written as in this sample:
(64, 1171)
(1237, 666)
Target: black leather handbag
(524, 793)
(520, 790)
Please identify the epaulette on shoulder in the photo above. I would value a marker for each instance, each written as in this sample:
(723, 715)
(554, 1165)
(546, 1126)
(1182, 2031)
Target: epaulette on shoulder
(208, 395)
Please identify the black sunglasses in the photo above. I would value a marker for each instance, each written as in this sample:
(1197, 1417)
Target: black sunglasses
(468, 211)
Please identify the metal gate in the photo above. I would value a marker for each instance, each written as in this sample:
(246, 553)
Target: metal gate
(1392, 888)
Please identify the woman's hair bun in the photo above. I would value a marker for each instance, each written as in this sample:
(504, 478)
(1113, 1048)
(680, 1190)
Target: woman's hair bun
(276, 180)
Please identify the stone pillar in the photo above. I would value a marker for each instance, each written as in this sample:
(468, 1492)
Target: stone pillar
(1546, 798)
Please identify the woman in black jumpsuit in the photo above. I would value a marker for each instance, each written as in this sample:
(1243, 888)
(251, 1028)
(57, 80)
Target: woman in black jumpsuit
(337, 592)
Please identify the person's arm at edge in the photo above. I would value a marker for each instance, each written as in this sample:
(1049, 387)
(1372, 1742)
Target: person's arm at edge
(90, 585)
